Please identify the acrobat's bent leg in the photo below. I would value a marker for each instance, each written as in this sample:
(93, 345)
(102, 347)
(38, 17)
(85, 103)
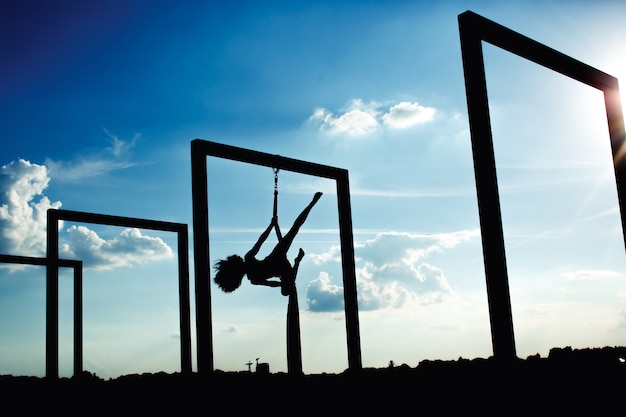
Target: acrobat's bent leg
(288, 284)
(298, 259)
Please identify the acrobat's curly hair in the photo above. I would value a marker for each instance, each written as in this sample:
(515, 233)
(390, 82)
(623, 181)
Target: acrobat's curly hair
(229, 273)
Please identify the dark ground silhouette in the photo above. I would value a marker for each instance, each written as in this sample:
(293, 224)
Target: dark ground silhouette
(579, 381)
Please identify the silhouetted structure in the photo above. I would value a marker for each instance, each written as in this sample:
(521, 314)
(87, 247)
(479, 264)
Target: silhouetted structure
(200, 149)
(473, 30)
(567, 382)
(77, 266)
(262, 368)
(52, 278)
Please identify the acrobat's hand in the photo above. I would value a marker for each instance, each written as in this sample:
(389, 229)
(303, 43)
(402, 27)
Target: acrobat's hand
(317, 196)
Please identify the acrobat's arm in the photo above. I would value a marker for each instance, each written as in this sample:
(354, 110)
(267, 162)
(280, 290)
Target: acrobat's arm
(257, 246)
(279, 235)
(269, 283)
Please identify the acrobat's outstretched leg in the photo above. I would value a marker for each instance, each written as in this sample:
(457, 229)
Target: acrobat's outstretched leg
(287, 240)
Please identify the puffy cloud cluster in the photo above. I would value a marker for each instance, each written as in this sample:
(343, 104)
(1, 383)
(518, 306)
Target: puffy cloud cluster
(391, 271)
(360, 119)
(23, 208)
(407, 114)
(129, 248)
(322, 295)
(23, 222)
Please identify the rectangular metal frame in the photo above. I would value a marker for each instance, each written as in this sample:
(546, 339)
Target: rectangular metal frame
(200, 149)
(474, 29)
(77, 266)
(52, 278)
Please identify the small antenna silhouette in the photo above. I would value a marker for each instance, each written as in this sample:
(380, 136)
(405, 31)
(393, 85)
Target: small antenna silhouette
(249, 365)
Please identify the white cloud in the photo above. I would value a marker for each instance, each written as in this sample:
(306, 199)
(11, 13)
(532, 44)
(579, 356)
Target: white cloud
(112, 158)
(391, 271)
(361, 120)
(23, 208)
(82, 169)
(333, 254)
(353, 123)
(407, 114)
(129, 248)
(23, 223)
(231, 329)
(588, 275)
(120, 148)
(322, 295)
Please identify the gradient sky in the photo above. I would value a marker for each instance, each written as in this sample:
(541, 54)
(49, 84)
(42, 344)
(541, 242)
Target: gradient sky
(99, 104)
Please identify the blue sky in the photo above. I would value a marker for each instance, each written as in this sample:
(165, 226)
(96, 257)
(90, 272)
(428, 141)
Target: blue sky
(100, 102)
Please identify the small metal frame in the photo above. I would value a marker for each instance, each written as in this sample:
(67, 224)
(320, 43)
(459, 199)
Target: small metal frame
(77, 266)
(52, 278)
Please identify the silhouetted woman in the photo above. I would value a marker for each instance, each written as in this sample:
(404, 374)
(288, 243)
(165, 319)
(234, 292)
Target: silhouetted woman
(230, 271)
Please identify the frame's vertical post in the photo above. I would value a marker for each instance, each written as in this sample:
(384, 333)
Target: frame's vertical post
(52, 296)
(78, 320)
(615, 119)
(183, 299)
(498, 295)
(204, 331)
(349, 273)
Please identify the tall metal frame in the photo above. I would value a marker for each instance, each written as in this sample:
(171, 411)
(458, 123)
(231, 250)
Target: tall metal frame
(52, 278)
(474, 29)
(200, 149)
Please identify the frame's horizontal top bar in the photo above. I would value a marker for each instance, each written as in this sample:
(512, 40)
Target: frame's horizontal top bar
(473, 25)
(208, 148)
(31, 260)
(110, 220)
